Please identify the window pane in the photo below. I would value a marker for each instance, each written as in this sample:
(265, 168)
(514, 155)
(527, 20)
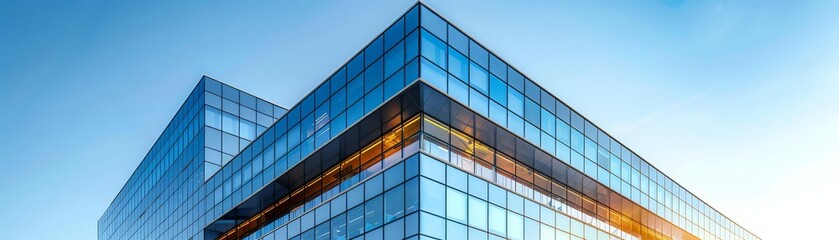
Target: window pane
(497, 113)
(458, 65)
(355, 221)
(497, 90)
(458, 40)
(355, 89)
(432, 226)
(456, 205)
(479, 102)
(515, 226)
(213, 117)
(459, 90)
(515, 102)
(478, 78)
(433, 48)
(432, 197)
(373, 76)
(433, 23)
(433, 75)
(394, 203)
(497, 220)
(577, 141)
(394, 33)
(477, 213)
(548, 122)
(373, 213)
(394, 59)
(532, 112)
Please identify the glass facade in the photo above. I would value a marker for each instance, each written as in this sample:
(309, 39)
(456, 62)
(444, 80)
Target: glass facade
(423, 134)
(216, 121)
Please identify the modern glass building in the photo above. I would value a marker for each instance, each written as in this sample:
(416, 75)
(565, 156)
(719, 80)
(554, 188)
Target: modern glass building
(423, 134)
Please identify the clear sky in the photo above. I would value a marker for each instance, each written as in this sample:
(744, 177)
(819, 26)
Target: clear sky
(736, 100)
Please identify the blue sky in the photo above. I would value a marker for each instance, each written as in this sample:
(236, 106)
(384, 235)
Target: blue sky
(735, 100)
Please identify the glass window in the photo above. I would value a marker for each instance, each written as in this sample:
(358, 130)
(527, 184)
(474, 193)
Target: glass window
(563, 152)
(411, 195)
(355, 196)
(478, 54)
(458, 65)
(458, 40)
(532, 111)
(213, 117)
(497, 220)
(394, 59)
(411, 46)
(394, 33)
(432, 225)
(373, 99)
(355, 89)
(433, 23)
(475, 234)
(562, 222)
(497, 90)
(515, 226)
(497, 195)
(456, 205)
(515, 124)
(395, 230)
(477, 213)
(531, 209)
(432, 197)
(515, 102)
(338, 102)
(515, 79)
(322, 231)
(230, 123)
(479, 102)
(247, 130)
(395, 175)
(478, 78)
(307, 105)
(412, 71)
(590, 149)
(307, 126)
(515, 202)
(433, 49)
(497, 67)
(456, 178)
(337, 124)
(355, 112)
(531, 90)
(394, 203)
(373, 51)
(458, 90)
(563, 132)
(455, 230)
(339, 79)
(546, 232)
(412, 18)
(531, 229)
(373, 76)
(322, 93)
(373, 213)
(548, 122)
(373, 186)
(498, 113)
(433, 75)
(577, 141)
(355, 221)
(310, 234)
